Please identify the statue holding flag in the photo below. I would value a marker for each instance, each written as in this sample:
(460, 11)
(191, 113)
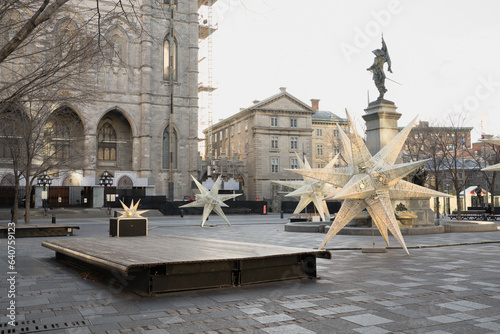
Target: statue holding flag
(381, 57)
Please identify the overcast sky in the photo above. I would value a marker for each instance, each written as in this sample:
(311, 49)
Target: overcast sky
(445, 54)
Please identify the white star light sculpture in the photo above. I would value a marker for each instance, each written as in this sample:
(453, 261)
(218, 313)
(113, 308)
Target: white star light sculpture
(311, 190)
(495, 141)
(370, 182)
(210, 200)
(131, 212)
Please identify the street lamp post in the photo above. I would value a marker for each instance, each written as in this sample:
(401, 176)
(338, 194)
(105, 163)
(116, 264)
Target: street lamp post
(44, 181)
(447, 200)
(106, 180)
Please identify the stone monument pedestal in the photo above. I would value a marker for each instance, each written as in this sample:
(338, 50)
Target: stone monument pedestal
(381, 124)
(421, 207)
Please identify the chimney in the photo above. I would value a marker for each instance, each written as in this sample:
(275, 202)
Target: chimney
(282, 89)
(315, 104)
(255, 101)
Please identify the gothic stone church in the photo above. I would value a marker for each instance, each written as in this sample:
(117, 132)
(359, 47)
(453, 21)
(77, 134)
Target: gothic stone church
(126, 130)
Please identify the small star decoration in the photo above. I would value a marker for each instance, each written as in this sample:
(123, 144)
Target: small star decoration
(131, 212)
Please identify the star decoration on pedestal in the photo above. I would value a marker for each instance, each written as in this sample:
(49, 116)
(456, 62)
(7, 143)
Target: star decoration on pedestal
(495, 141)
(210, 200)
(369, 182)
(311, 190)
(131, 212)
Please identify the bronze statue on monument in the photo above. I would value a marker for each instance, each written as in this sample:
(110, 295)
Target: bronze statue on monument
(381, 57)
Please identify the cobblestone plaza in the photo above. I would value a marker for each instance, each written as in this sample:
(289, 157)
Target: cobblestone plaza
(449, 284)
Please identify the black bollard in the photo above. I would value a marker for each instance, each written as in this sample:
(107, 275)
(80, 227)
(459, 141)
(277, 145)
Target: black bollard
(182, 213)
(53, 219)
(281, 214)
(116, 214)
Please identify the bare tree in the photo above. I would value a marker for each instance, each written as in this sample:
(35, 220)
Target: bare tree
(39, 140)
(453, 141)
(491, 155)
(423, 143)
(46, 70)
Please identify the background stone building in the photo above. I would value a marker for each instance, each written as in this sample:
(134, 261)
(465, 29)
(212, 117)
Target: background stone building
(125, 127)
(326, 142)
(268, 136)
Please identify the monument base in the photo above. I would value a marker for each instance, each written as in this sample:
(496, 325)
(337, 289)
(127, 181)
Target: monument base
(421, 208)
(381, 124)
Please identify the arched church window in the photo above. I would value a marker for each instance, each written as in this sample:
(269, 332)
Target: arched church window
(116, 48)
(63, 133)
(58, 137)
(166, 59)
(125, 182)
(8, 180)
(166, 148)
(64, 40)
(106, 142)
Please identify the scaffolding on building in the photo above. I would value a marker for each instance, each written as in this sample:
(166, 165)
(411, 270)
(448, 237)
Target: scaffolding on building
(205, 85)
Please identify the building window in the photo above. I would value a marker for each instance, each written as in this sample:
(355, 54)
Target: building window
(321, 165)
(227, 131)
(221, 135)
(294, 143)
(319, 132)
(274, 142)
(336, 150)
(166, 4)
(65, 39)
(319, 149)
(58, 136)
(116, 49)
(166, 148)
(166, 59)
(246, 144)
(294, 164)
(239, 127)
(106, 142)
(275, 165)
(215, 137)
(274, 121)
(293, 122)
(232, 130)
(246, 124)
(335, 132)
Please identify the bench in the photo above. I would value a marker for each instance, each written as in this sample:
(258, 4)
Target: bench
(474, 215)
(38, 230)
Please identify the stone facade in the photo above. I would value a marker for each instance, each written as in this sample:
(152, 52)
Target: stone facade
(132, 109)
(326, 142)
(268, 136)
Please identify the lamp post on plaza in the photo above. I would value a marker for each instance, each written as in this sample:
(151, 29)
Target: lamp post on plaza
(447, 200)
(106, 180)
(44, 181)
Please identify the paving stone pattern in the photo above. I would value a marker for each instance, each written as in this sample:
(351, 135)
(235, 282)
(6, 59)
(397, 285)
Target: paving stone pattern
(438, 290)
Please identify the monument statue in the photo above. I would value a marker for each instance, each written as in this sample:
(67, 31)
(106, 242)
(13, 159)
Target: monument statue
(381, 57)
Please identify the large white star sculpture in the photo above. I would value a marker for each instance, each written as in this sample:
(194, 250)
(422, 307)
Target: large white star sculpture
(210, 200)
(370, 182)
(311, 190)
(495, 141)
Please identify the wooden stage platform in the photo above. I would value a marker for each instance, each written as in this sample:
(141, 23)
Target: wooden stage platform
(157, 264)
